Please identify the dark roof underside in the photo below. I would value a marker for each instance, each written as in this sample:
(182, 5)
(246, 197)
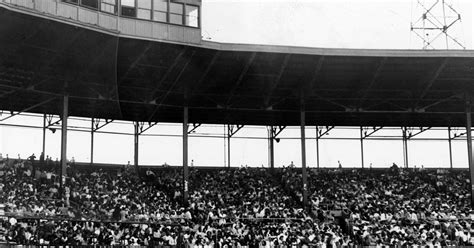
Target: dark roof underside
(130, 79)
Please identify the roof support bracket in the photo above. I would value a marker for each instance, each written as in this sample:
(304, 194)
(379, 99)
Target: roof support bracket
(230, 129)
(422, 129)
(366, 132)
(195, 126)
(97, 124)
(144, 126)
(321, 133)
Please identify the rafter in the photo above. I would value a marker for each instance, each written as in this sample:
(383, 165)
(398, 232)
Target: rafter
(277, 80)
(430, 79)
(373, 80)
(170, 69)
(28, 109)
(240, 78)
(172, 86)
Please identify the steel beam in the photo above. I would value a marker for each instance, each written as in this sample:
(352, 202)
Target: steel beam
(405, 147)
(321, 134)
(317, 147)
(422, 130)
(361, 147)
(136, 135)
(230, 133)
(92, 141)
(64, 118)
(44, 136)
(28, 109)
(450, 149)
(366, 135)
(185, 155)
(240, 78)
(303, 159)
(469, 148)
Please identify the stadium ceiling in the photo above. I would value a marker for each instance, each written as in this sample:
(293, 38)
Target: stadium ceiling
(113, 77)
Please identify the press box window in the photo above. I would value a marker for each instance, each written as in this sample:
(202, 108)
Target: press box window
(192, 16)
(144, 9)
(109, 6)
(160, 10)
(94, 4)
(176, 13)
(128, 8)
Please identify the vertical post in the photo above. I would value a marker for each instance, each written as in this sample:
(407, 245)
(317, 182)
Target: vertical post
(317, 147)
(64, 143)
(271, 143)
(185, 155)
(303, 159)
(450, 149)
(362, 146)
(92, 141)
(469, 147)
(135, 153)
(44, 136)
(405, 147)
(228, 145)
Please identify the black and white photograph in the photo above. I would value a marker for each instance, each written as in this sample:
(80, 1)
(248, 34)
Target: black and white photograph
(236, 123)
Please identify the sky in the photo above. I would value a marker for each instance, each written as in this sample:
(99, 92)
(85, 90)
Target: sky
(315, 23)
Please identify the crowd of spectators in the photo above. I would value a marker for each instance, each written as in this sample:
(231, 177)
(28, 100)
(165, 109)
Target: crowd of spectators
(245, 207)
(393, 206)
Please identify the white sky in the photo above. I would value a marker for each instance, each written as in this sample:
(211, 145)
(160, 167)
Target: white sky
(316, 23)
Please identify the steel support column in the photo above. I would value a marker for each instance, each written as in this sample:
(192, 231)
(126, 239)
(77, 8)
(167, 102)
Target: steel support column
(469, 148)
(271, 143)
(64, 118)
(43, 151)
(450, 149)
(135, 153)
(185, 155)
(362, 147)
(303, 159)
(405, 147)
(228, 146)
(92, 141)
(317, 147)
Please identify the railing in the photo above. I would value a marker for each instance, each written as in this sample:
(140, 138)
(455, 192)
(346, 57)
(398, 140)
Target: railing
(117, 22)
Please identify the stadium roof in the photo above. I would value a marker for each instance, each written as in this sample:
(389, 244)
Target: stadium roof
(114, 77)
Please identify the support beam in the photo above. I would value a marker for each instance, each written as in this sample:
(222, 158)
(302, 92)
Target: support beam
(450, 149)
(136, 135)
(43, 151)
(195, 126)
(320, 133)
(469, 148)
(422, 130)
(272, 137)
(362, 147)
(405, 147)
(271, 146)
(64, 118)
(228, 146)
(317, 147)
(303, 159)
(28, 109)
(365, 133)
(92, 141)
(185, 155)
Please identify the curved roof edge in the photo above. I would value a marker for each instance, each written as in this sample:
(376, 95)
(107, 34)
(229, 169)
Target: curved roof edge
(259, 47)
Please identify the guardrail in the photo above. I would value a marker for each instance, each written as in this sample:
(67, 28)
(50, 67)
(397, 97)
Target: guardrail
(114, 24)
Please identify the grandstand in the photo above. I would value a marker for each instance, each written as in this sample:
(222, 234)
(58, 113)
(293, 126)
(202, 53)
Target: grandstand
(145, 62)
